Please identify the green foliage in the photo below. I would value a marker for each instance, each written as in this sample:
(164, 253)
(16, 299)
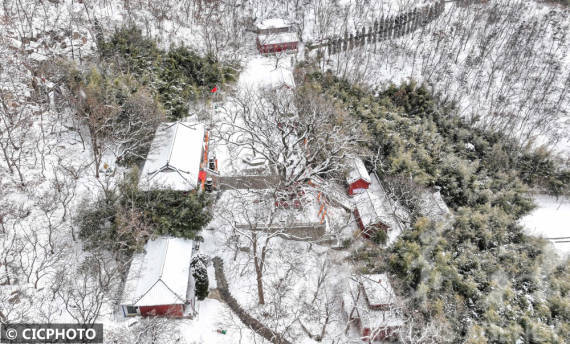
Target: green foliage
(95, 221)
(176, 76)
(173, 212)
(118, 108)
(380, 237)
(200, 274)
(168, 212)
(481, 275)
(124, 220)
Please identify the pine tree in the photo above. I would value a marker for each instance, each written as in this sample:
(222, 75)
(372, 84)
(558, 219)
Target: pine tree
(200, 273)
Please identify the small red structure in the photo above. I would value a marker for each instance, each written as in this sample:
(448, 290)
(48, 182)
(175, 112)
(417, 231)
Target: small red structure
(276, 35)
(374, 210)
(275, 43)
(176, 311)
(369, 230)
(370, 305)
(358, 178)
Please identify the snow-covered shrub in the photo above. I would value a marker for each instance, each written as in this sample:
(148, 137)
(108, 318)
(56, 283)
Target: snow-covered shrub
(380, 237)
(176, 76)
(200, 273)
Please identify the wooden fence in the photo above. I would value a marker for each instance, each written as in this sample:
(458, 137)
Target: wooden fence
(385, 29)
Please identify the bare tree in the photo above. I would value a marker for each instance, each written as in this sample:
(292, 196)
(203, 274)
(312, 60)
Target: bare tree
(14, 127)
(322, 309)
(300, 133)
(97, 111)
(417, 330)
(11, 245)
(84, 291)
(254, 218)
(36, 258)
(149, 330)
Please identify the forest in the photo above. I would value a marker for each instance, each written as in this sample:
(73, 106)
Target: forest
(495, 297)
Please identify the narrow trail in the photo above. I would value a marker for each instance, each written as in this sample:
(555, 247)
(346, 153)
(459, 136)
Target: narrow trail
(247, 319)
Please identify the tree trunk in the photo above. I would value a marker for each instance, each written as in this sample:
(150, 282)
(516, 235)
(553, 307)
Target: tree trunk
(259, 276)
(258, 271)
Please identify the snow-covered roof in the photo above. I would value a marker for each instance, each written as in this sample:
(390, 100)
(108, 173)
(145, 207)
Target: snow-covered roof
(161, 275)
(374, 206)
(433, 206)
(278, 38)
(273, 23)
(355, 304)
(174, 157)
(357, 171)
(378, 289)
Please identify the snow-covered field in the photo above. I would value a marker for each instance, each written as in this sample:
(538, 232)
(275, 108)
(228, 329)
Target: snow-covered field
(551, 220)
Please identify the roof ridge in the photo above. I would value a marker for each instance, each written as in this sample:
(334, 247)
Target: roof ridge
(137, 299)
(172, 143)
(376, 210)
(172, 291)
(164, 260)
(189, 125)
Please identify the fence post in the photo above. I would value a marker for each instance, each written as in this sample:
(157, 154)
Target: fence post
(406, 22)
(391, 27)
(397, 23)
(382, 28)
(415, 20)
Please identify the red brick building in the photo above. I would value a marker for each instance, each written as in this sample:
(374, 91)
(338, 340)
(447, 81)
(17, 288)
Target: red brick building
(276, 35)
(358, 178)
(159, 281)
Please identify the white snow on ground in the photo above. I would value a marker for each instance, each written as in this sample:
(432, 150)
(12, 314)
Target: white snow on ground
(262, 72)
(551, 219)
(213, 315)
(259, 72)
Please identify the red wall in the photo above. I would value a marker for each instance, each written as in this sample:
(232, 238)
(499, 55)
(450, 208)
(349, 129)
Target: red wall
(275, 48)
(359, 184)
(167, 310)
(358, 219)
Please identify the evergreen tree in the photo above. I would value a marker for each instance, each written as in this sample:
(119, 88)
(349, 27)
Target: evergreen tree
(200, 273)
